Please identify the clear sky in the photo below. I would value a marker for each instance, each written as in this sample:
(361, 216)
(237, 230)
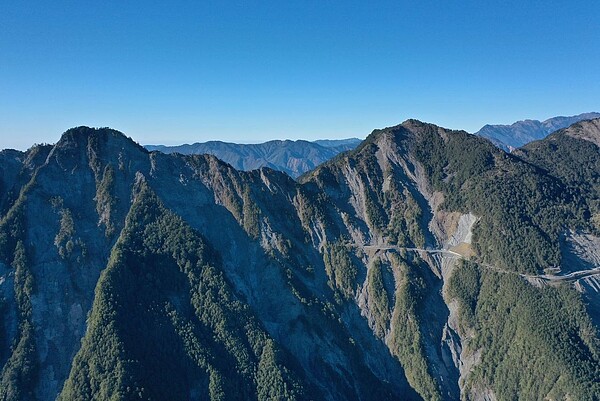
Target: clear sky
(249, 71)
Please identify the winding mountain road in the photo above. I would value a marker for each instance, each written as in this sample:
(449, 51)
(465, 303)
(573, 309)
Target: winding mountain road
(550, 278)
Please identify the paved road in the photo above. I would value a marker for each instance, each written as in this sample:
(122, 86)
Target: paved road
(574, 276)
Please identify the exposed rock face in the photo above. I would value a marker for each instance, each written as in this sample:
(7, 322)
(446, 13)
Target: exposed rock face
(509, 137)
(292, 157)
(133, 274)
(588, 131)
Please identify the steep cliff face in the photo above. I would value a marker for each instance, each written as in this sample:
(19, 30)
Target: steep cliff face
(126, 274)
(79, 215)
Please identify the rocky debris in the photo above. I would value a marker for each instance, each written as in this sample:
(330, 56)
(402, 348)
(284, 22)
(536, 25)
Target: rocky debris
(580, 251)
(586, 130)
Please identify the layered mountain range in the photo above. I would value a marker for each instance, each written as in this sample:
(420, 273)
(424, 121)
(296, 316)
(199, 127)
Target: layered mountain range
(298, 157)
(424, 264)
(520, 133)
(292, 157)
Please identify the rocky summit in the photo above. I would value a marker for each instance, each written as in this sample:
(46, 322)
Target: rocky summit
(424, 264)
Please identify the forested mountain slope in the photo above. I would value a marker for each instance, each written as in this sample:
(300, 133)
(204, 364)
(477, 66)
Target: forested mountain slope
(421, 265)
(571, 154)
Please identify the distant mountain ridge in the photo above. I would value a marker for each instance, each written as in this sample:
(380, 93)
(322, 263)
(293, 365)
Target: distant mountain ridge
(292, 157)
(298, 157)
(509, 137)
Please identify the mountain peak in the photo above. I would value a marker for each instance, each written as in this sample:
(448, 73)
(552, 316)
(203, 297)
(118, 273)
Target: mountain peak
(83, 142)
(413, 123)
(80, 133)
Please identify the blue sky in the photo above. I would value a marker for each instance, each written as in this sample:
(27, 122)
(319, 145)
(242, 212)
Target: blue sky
(249, 71)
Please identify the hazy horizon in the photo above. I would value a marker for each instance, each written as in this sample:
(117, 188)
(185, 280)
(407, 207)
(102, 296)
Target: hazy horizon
(241, 141)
